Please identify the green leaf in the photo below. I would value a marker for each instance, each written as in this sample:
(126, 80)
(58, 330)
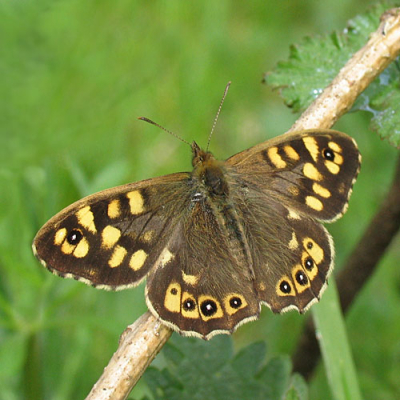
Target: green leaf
(298, 388)
(335, 347)
(314, 63)
(210, 370)
(276, 375)
(386, 120)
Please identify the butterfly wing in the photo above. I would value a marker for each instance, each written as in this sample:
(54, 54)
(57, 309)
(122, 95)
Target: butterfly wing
(281, 189)
(201, 288)
(113, 238)
(313, 170)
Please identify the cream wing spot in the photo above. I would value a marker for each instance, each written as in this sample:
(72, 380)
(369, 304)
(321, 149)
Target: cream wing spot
(190, 279)
(321, 191)
(165, 257)
(313, 249)
(294, 190)
(114, 209)
(172, 300)
(293, 214)
(148, 236)
(137, 260)
(275, 158)
(338, 159)
(136, 202)
(291, 153)
(293, 243)
(117, 256)
(314, 203)
(311, 172)
(60, 236)
(312, 147)
(81, 249)
(86, 219)
(335, 147)
(67, 248)
(332, 167)
(110, 236)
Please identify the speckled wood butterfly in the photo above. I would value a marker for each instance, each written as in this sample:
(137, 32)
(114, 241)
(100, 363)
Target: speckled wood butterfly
(217, 242)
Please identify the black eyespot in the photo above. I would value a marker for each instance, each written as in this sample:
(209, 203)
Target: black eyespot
(208, 308)
(74, 237)
(235, 302)
(309, 263)
(189, 305)
(301, 278)
(328, 154)
(285, 287)
(174, 291)
(309, 245)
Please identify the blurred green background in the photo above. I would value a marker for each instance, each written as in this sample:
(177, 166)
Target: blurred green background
(75, 75)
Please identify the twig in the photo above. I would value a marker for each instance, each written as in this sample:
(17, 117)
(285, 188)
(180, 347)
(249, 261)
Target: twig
(139, 344)
(365, 65)
(146, 336)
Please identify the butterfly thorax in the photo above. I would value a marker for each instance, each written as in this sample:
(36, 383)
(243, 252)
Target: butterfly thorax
(210, 179)
(209, 171)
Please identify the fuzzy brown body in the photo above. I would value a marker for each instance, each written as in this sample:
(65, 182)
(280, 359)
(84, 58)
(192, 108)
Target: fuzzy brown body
(218, 242)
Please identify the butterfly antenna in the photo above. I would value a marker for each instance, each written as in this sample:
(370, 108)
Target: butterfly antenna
(219, 110)
(164, 129)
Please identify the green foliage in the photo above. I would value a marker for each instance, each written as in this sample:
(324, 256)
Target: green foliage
(335, 348)
(209, 370)
(316, 61)
(74, 77)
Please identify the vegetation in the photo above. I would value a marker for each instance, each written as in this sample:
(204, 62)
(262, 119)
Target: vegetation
(75, 77)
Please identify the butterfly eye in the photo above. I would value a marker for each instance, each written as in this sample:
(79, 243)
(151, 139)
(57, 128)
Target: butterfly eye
(208, 308)
(309, 264)
(235, 302)
(328, 154)
(301, 278)
(285, 287)
(74, 237)
(189, 305)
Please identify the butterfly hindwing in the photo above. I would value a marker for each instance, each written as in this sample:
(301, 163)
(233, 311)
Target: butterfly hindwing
(201, 287)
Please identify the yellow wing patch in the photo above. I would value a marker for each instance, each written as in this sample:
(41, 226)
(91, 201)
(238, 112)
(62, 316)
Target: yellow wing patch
(172, 300)
(117, 257)
(109, 236)
(137, 260)
(311, 172)
(312, 147)
(86, 219)
(114, 209)
(275, 158)
(136, 202)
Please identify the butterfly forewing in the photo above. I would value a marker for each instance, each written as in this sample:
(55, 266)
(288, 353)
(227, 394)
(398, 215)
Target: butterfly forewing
(113, 238)
(312, 171)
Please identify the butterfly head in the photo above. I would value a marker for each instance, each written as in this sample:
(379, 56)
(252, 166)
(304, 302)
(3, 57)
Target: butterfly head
(200, 156)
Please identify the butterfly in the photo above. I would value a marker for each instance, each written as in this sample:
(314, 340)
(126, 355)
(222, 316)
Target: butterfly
(217, 242)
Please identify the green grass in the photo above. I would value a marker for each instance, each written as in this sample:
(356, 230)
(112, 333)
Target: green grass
(74, 78)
